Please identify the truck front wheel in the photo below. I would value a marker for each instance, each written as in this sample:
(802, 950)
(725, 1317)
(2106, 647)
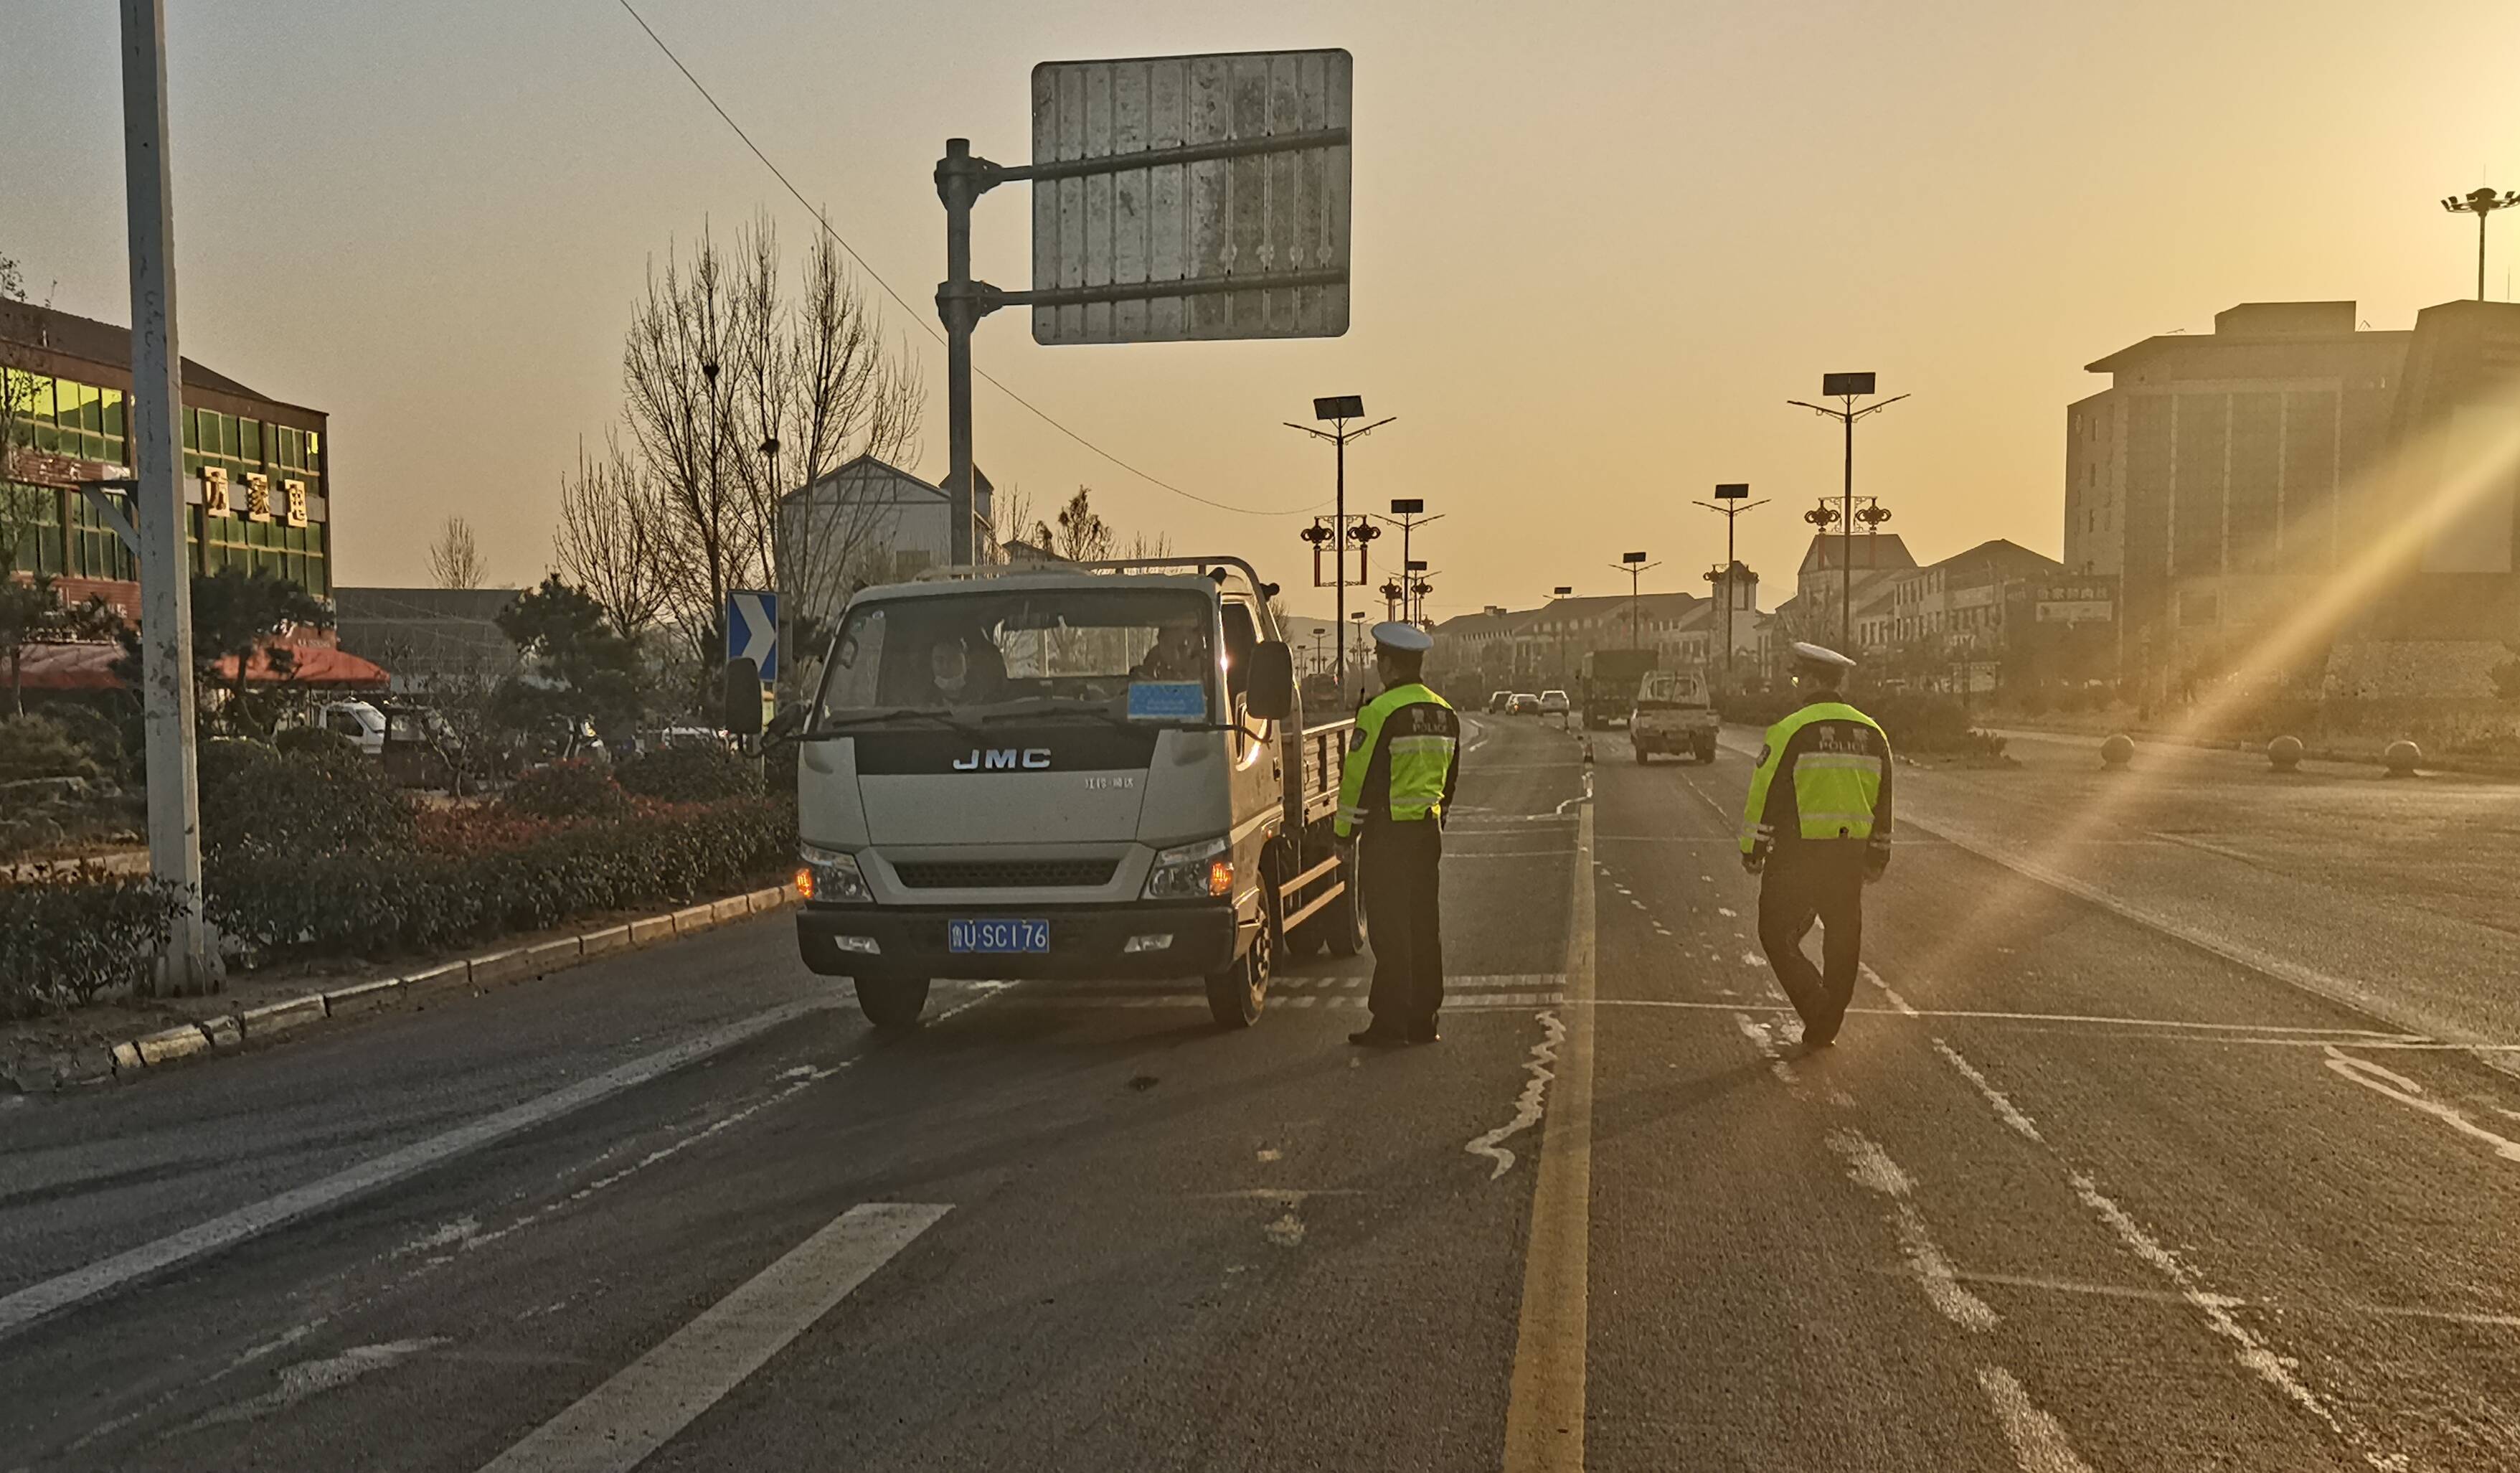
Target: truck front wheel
(892, 1002)
(1236, 995)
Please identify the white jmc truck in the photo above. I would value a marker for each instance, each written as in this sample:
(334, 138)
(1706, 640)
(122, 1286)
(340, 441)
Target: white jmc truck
(1081, 771)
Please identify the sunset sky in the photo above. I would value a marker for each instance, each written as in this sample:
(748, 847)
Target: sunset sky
(1597, 246)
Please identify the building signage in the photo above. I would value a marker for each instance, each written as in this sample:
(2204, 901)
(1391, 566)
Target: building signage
(258, 497)
(215, 493)
(295, 493)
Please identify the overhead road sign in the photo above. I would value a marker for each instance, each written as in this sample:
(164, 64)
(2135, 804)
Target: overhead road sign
(1189, 198)
(752, 628)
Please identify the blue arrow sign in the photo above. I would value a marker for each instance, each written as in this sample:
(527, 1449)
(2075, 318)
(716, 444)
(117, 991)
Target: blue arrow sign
(752, 628)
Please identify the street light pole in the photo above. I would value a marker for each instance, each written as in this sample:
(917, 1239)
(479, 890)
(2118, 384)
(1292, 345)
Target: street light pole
(191, 963)
(1408, 513)
(1635, 566)
(1731, 499)
(1337, 410)
(2481, 202)
(1847, 387)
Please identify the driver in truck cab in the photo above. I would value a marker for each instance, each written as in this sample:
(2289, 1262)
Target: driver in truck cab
(953, 676)
(1179, 653)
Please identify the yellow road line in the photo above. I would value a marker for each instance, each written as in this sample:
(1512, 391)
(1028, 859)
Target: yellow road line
(1543, 1416)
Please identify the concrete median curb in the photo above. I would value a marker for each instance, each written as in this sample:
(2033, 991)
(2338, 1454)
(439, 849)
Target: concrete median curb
(226, 1033)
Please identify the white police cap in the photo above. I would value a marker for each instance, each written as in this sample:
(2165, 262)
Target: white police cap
(1401, 636)
(1813, 654)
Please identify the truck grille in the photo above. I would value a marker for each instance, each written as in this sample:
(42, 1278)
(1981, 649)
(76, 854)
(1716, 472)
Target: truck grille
(1006, 874)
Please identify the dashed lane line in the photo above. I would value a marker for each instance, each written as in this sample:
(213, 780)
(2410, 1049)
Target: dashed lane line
(615, 1427)
(108, 1275)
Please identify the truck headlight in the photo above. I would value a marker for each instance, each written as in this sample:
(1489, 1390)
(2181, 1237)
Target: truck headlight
(826, 874)
(1191, 871)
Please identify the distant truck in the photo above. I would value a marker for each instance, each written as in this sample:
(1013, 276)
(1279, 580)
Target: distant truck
(1672, 714)
(1610, 679)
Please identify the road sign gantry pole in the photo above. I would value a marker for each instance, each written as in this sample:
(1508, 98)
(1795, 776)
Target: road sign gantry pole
(167, 700)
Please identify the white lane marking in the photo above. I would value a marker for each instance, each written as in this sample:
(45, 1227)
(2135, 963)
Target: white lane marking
(2312, 1038)
(2328, 1308)
(1871, 1168)
(1449, 855)
(2341, 990)
(32, 1302)
(619, 1424)
(1728, 913)
(1753, 959)
(309, 1378)
(1765, 1042)
(2252, 1352)
(2039, 1441)
(1584, 796)
(2004, 1109)
(1527, 1106)
(1897, 1003)
(2407, 1092)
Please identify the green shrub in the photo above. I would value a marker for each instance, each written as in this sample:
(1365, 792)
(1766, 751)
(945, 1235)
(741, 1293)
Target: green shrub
(96, 734)
(66, 941)
(566, 789)
(688, 774)
(257, 799)
(377, 903)
(36, 746)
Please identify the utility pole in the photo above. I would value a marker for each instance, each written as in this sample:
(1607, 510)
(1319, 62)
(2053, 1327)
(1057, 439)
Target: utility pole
(1635, 566)
(1847, 387)
(191, 963)
(960, 179)
(2480, 202)
(1337, 410)
(1731, 499)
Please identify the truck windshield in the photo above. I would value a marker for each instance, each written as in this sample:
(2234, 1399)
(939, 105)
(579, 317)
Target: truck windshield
(1147, 653)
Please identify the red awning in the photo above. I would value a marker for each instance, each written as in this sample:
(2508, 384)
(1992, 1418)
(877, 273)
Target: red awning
(90, 666)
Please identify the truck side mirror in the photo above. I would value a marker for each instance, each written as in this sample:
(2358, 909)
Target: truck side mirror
(742, 713)
(1273, 680)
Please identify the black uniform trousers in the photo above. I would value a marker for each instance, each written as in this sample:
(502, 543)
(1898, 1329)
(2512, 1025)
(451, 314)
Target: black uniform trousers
(1814, 878)
(1397, 862)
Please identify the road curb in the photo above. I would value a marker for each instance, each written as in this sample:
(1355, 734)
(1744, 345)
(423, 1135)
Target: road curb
(125, 1057)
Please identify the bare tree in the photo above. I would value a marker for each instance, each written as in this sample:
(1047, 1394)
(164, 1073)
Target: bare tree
(1011, 519)
(1082, 535)
(613, 524)
(738, 395)
(455, 558)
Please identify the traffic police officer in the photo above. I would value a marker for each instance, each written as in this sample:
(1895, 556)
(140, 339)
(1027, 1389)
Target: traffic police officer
(1818, 829)
(1394, 787)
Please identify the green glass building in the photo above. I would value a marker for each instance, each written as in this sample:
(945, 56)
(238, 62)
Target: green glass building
(256, 491)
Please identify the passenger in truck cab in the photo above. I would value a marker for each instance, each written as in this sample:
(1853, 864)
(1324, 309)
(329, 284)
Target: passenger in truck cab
(961, 670)
(1180, 650)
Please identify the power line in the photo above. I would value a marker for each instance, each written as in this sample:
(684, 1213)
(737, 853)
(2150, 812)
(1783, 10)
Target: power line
(823, 221)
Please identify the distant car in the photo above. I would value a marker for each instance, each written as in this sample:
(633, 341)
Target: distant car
(1523, 704)
(693, 736)
(1553, 703)
(357, 721)
(1499, 701)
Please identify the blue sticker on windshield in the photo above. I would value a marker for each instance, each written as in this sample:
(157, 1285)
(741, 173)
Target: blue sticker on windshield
(1167, 701)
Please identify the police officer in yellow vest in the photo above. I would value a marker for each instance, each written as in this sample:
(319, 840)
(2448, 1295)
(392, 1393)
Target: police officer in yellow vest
(1818, 829)
(1393, 789)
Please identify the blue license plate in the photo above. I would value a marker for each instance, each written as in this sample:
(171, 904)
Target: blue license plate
(997, 936)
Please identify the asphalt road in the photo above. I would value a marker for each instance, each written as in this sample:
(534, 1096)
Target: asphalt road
(2169, 1134)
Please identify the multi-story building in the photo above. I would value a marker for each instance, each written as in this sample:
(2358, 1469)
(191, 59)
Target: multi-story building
(257, 493)
(2240, 481)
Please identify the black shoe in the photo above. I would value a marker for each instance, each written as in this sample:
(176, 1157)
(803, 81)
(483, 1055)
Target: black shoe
(1375, 1036)
(1424, 1032)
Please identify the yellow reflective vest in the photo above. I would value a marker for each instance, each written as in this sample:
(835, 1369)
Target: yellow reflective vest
(1824, 777)
(1401, 761)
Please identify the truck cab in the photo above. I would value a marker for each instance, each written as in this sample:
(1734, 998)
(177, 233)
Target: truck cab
(1081, 772)
(1673, 713)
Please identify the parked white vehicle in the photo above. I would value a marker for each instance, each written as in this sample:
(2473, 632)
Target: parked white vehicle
(356, 721)
(1080, 773)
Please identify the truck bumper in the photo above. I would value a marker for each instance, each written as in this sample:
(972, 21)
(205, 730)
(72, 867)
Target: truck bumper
(1086, 941)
